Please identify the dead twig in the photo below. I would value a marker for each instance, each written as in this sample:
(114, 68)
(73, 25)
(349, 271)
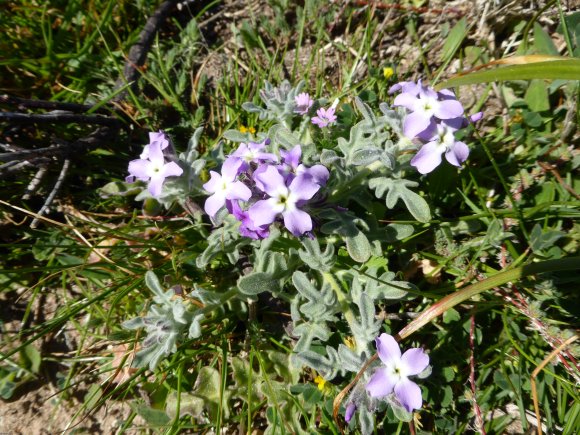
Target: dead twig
(23, 103)
(53, 193)
(138, 52)
(546, 167)
(58, 116)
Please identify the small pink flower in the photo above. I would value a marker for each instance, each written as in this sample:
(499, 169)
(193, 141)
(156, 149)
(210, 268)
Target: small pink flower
(324, 117)
(303, 103)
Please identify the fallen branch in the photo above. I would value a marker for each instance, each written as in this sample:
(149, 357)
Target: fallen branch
(58, 116)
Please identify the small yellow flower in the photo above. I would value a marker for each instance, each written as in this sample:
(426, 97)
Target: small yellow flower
(349, 342)
(321, 382)
(388, 72)
(244, 129)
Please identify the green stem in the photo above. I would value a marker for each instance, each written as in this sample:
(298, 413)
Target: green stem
(342, 301)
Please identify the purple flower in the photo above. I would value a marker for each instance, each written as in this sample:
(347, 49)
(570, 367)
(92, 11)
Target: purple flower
(155, 137)
(292, 167)
(284, 200)
(442, 141)
(252, 152)
(392, 377)
(247, 228)
(303, 103)
(407, 88)
(324, 117)
(426, 106)
(225, 186)
(350, 410)
(153, 169)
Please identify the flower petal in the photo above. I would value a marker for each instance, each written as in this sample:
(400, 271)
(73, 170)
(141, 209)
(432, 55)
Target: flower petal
(409, 394)
(416, 123)
(292, 157)
(319, 173)
(171, 169)
(448, 109)
(238, 190)
(380, 384)
(428, 157)
(457, 154)
(156, 154)
(297, 221)
(231, 168)
(140, 169)
(415, 361)
(388, 348)
(214, 203)
(155, 185)
(265, 211)
(350, 410)
(214, 182)
(303, 187)
(406, 100)
(270, 181)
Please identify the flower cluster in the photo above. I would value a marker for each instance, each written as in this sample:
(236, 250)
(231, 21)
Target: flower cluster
(258, 188)
(391, 380)
(151, 167)
(433, 119)
(324, 117)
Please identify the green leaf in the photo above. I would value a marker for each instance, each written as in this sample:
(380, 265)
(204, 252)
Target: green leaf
(454, 40)
(33, 356)
(153, 417)
(537, 96)
(565, 69)
(533, 119)
(358, 247)
(543, 44)
(396, 189)
(256, 283)
(154, 285)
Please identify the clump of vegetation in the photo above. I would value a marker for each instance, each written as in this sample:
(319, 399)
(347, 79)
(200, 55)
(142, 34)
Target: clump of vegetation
(319, 234)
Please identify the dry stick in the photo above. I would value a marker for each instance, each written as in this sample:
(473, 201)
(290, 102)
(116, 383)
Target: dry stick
(56, 117)
(43, 104)
(138, 52)
(55, 190)
(537, 371)
(476, 408)
(35, 182)
(546, 167)
(453, 299)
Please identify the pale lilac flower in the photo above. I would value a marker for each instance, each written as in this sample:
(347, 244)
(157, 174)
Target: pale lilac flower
(303, 103)
(407, 88)
(253, 152)
(225, 186)
(426, 106)
(247, 227)
(284, 200)
(153, 169)
(324, 117)
(442, 141)
(350, 410)
(292, 167)
(393, 376)
(154, 137)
